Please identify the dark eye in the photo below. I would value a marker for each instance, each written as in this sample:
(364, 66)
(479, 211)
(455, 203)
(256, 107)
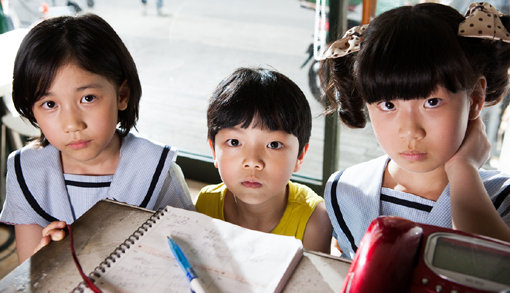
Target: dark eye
(433, 102)
(49, 105)
(233, 142)
(88, 99)
(386, 106)
(275, 145)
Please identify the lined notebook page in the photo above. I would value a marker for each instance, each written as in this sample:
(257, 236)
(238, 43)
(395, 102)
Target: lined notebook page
(227, 258)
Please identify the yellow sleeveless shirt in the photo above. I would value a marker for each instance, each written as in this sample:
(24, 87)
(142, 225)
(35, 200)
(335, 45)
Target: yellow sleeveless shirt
(300, 205)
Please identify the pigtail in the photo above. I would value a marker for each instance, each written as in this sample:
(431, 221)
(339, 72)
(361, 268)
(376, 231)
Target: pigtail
(485, 38)
(490, 59)
(350, 104)
(338, 79)
(496, 70)
(496, 73)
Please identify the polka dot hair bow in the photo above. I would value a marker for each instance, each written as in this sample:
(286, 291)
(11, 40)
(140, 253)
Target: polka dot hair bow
(348, 44)
(482, 21)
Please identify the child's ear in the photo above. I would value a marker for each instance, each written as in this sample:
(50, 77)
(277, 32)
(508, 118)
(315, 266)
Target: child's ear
(301, 157)
(211, 145)
(477, 98)
(123, 96)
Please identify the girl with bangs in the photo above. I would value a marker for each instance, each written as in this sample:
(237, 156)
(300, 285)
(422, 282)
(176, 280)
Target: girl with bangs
(76, 81)
(422, 74)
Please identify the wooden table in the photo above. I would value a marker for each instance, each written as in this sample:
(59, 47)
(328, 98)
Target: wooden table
(108, 224)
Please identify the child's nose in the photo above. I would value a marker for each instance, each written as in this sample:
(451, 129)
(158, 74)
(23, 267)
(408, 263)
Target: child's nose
(410, 129)
(253, 161)
(72, 121)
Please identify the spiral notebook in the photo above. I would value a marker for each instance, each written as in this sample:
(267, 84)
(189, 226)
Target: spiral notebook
(226, 257)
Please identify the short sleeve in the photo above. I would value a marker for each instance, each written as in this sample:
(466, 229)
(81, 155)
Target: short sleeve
(497, 185)
(175, 191)
(502, 204)
(211, 199)
(16, 210)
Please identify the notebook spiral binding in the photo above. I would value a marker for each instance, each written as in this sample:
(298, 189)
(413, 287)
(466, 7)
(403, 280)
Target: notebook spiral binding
(119, 250)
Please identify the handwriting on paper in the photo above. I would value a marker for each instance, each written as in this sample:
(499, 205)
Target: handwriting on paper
(226, 257)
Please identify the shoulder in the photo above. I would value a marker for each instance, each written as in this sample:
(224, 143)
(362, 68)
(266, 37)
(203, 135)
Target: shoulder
(141, 146)
(497, 185)
(302, 194)
(318, 231)
(375, 165)
(211, 193)
(494, 177)
(210, 200)
(213, 189)
(362, 178)
(34, 152)
(320, 218)
(30, 158)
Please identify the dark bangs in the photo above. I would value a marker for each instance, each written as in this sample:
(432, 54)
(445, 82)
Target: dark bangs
(254, 107)
(86, 40)
(409, 60)
(35, 67)
(266, 98)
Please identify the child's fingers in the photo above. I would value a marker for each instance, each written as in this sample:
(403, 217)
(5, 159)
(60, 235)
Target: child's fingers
(55, 231)
(475, 149)
(57, 225)
(57, 235)
(479, 137)
(44, 241)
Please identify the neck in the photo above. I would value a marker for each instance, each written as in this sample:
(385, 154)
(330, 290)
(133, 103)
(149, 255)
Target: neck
(104, 164)
(428, 185)
(262, 217)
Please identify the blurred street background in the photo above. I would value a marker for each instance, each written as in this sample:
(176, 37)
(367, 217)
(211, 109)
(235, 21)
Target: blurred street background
(183, 52)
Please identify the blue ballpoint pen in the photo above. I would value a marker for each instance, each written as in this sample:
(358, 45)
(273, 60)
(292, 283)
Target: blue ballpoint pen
(194, 282)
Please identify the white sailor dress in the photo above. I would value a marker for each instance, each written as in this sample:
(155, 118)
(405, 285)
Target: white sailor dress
(146, 176)
(354, 198)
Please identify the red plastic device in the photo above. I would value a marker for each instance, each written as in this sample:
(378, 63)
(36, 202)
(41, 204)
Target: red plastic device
(398, 255)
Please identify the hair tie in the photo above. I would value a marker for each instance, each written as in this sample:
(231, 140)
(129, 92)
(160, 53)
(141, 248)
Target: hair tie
(348, 44)
(483, 21)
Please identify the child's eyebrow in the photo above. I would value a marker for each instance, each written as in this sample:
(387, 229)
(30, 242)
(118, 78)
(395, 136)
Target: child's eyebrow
(89, 86)
(232, 130)
(78, 89)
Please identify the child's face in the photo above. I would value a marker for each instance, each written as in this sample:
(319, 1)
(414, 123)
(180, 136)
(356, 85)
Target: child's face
(422, 135)
(78, 115)
(256, 164)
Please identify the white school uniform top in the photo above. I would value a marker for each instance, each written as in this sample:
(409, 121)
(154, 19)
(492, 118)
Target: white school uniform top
(38, 192)
(354, 198)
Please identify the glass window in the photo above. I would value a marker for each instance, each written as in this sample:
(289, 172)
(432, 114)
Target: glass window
(183, 49)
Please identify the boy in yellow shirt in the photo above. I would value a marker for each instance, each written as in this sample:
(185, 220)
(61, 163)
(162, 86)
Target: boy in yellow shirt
(259, 125)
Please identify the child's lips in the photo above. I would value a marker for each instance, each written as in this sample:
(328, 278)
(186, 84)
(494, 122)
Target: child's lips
(251, 184)
(414, 155)
(78, 144)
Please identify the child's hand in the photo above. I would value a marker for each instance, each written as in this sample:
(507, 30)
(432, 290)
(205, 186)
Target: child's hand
(475, 148)
(471, 207)
(53, 232)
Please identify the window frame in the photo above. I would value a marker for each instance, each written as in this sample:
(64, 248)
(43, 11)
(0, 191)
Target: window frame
(191, 162)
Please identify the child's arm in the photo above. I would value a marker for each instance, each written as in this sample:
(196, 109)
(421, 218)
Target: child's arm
(318, 230)
(32, 237)
(471, 207)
